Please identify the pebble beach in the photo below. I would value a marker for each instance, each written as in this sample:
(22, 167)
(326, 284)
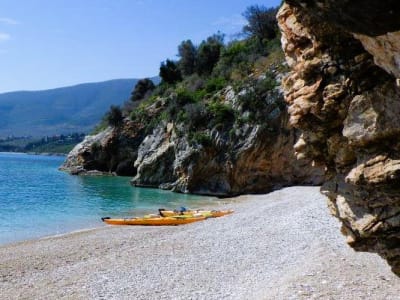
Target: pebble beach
(282, 245)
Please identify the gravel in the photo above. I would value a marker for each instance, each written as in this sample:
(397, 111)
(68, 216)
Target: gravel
(283, 245)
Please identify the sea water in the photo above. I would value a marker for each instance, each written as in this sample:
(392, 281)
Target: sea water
(36, 199)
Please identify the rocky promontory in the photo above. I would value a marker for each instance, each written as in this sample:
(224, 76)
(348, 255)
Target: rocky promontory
(227, 159)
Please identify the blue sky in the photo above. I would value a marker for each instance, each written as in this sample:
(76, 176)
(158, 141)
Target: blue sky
(52, 43)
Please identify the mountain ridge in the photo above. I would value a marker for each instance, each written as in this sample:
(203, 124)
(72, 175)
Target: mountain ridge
(76, 108)
(66, 86)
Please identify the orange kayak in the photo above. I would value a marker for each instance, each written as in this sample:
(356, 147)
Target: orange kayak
(205, 213)
(154, 221)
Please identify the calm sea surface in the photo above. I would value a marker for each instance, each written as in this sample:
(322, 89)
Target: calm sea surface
(37, 200)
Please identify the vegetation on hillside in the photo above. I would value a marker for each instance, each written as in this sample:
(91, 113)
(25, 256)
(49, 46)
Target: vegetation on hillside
(57, 144)
(192, 90)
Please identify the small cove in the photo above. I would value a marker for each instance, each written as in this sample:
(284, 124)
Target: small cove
(37, 200)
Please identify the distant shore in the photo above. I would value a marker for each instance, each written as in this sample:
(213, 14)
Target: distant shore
(36, 153)
(283, 245)
(47, 153)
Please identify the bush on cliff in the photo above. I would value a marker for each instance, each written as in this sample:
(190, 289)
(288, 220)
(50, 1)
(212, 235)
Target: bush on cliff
(169, 72)
(222, 114)
(142, 90)
(114, 116)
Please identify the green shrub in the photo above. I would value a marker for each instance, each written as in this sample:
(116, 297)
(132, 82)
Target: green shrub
(142, 90)
(182, 117)
(114, 116)
(197, 116)
(183, 96)
(201, 138)
(232, 133)
(193, 82)
(200, 95)
(237, 60)
(215, 84)
(139, 114)
(222, 114)
(152, 123)
(164, 116)
(268, 83)
(172, 108)
(100, 126)
(257, 95)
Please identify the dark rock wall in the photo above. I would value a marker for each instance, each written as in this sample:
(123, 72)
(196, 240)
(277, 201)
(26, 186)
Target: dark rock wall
(370, 17)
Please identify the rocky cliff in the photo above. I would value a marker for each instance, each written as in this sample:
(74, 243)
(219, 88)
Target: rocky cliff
(229, 158)
(343, 94)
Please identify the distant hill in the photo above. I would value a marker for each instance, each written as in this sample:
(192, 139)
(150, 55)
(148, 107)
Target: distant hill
(62, 110)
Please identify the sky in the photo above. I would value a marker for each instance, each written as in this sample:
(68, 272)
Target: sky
(52, 43)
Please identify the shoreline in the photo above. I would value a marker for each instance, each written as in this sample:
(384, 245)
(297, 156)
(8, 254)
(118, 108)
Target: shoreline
(282, 245)
(210, 205)
(35, 153)
(219, 204)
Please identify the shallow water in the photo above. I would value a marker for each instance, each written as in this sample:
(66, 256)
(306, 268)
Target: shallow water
(37, 200)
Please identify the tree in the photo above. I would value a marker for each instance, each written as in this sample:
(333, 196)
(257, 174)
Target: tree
(262, 22)
(188, 54)
(142, 90)
(209, 53)
(114, 117)
(169, 72)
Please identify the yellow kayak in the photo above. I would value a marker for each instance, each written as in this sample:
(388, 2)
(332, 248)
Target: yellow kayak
(205, 213)
(154, 221)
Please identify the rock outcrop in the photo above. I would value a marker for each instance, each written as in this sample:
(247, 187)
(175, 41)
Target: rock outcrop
(254, 162)
(112, 151)
(343, 95)
(223, 161)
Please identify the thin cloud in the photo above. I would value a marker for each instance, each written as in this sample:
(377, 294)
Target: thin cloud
(9, 21)
(4, 37)
(233, 22)
(142, 2)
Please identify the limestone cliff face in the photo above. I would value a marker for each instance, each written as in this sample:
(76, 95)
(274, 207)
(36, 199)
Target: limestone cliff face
(342, 94)
(231, 160)
(254, 162)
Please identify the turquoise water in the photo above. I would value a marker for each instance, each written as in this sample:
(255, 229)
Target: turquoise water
(37, 200)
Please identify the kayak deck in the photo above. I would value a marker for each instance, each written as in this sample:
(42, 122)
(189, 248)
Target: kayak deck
(156, 221)
(206, 213)
(168, 217)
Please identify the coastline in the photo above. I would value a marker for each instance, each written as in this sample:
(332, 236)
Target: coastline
(283, 245)
(36, 153)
